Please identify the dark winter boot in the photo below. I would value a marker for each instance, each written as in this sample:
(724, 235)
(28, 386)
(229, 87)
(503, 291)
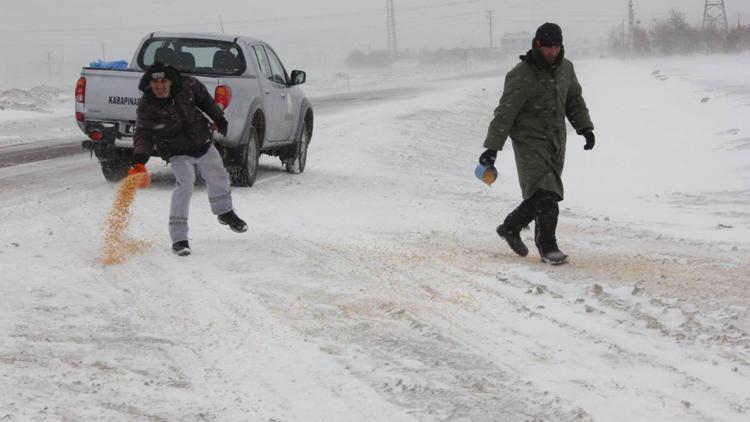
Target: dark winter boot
(513, 237)
(181, 248)
(235, 223)
(510, 230)
(544, 233)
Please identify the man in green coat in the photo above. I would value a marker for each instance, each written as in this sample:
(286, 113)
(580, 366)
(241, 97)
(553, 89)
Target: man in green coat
(539, 93)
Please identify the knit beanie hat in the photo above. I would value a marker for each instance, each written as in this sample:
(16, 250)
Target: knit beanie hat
(549, 34)
(161, 71)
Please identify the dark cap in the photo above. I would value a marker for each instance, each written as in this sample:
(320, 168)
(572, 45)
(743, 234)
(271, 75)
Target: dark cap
(549, 34)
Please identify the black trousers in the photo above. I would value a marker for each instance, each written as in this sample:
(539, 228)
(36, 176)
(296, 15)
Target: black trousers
(542, 208)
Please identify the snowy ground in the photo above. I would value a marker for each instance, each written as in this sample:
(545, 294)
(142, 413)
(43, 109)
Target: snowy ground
(372, 287)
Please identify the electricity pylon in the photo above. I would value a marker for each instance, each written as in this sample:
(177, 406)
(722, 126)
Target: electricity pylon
(715, 15)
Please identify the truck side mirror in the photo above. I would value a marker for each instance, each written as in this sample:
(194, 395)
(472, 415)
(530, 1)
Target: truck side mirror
(298, 77)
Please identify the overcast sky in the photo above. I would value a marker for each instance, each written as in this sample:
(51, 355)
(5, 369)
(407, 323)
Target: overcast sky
(78, 31)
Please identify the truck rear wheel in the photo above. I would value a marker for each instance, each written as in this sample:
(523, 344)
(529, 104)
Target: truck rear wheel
(245, 173)
(114, 169)
(300, 159)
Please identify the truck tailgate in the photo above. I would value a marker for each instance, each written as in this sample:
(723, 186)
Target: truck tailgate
(111, 94)
(114, 95)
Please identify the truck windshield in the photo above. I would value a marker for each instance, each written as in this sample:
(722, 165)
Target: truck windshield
(208, 57)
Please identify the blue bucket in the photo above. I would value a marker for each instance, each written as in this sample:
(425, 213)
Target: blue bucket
(487, 174)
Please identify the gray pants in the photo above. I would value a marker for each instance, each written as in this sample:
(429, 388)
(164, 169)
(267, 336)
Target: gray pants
(213, 172)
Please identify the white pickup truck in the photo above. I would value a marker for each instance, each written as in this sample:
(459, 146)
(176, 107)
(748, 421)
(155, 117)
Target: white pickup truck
(266, 109)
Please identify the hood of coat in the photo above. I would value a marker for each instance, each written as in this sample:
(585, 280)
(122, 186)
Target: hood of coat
(534, 57)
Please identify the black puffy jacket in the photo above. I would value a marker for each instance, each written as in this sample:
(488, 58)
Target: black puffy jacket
(175, 125)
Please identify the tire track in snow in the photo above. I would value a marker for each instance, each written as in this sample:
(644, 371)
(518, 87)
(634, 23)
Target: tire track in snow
(410, 323)
(382, 326)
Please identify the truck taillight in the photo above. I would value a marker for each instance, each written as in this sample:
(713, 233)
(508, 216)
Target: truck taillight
(79, 116)
(96, 135)
(223, 96)
(81, 90)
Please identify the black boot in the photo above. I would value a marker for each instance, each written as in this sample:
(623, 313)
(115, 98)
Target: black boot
(235, 223)
(513, 237)
(544, 232)
(510, 230)
(181, 248)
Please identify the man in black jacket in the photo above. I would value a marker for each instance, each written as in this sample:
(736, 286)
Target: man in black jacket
(170, 121)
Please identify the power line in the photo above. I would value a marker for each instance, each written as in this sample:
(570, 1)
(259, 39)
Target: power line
(305, 18)
(291, 19)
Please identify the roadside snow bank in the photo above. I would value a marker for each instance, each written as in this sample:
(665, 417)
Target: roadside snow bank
(41, 99)
(42, 113)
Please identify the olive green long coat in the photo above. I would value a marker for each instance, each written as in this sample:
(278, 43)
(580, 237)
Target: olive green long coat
(536, 99)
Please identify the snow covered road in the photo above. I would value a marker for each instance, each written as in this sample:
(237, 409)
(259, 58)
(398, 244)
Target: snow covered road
(372, 287)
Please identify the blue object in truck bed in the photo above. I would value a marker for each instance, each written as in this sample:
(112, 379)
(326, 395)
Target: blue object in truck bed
(117, 64)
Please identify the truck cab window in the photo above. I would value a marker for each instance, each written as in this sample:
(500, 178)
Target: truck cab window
(201, 56)
(265, 67)
(277, 69)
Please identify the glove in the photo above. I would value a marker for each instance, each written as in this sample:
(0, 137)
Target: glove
(140, 158)
(590, 141)
(222, 125)
(488, 158)
(139, 170)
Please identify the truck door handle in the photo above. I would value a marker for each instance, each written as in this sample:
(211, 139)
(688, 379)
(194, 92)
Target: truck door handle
(266, 91)
(283, 95)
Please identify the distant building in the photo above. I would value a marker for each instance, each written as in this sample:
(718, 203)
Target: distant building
(515, 42)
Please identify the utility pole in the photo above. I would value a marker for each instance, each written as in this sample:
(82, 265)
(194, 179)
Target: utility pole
(715, 15)
(391, 28)
(631, 18)
(489, 20)
(631, 27)
(49, 64)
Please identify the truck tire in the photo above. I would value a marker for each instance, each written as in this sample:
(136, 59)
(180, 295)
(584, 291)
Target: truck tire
(244, 174)
(300, 159)
(114, 169)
